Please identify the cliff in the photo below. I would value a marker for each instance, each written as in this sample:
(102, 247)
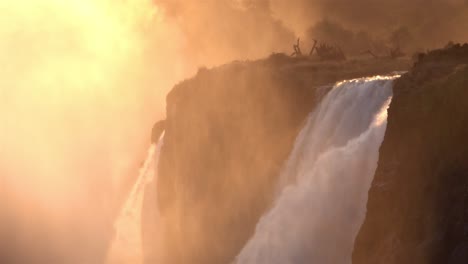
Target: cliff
(228, 132)
(417, 210)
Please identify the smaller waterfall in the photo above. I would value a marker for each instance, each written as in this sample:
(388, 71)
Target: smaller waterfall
(126, 247)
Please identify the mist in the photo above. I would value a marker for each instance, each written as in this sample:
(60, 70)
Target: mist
(221, 31)
(78, 96)
(430, 24)
(82, 82)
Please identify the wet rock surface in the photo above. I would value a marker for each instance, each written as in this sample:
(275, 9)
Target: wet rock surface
(417, 210)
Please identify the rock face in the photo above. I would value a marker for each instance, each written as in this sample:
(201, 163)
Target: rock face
(417, 210)
(227, 133)
(157, 130)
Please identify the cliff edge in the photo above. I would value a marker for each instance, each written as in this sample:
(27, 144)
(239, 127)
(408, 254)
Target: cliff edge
(417, 210)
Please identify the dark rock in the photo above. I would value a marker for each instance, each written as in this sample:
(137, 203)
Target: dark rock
(417, 210)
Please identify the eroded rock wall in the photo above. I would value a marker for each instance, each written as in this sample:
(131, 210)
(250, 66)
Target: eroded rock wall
(417, 210)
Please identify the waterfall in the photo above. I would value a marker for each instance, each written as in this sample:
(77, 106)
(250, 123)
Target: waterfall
(324, 183)
(126, 246)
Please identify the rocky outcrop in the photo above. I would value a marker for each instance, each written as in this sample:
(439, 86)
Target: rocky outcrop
(228, 131)
(417, 210)
(157, 130)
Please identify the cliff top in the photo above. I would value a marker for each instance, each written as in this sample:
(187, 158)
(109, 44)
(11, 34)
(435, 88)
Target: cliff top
(313, 72)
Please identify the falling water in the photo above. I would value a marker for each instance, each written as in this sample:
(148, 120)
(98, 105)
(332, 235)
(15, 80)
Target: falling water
(323, 196)
(126, 246)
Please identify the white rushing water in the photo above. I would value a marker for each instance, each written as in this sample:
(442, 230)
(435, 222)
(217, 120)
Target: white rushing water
(322, 201)
(126, 246)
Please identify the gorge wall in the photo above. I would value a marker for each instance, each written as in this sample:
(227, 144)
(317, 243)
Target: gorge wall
(417, 210)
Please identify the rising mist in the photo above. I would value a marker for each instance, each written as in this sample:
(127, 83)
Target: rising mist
(82, 81)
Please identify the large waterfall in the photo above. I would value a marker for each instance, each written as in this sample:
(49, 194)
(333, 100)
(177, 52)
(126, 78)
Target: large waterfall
(322, 199)
(126, 246)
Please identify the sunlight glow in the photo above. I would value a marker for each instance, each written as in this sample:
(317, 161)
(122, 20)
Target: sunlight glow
(82, 82)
